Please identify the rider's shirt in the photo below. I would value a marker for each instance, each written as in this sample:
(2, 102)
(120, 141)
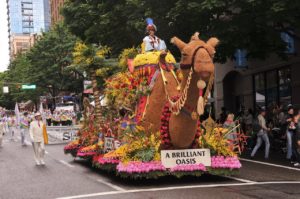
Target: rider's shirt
(154, 43)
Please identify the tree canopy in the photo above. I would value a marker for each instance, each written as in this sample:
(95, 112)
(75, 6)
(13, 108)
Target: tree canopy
(253, 25)
(44, 65)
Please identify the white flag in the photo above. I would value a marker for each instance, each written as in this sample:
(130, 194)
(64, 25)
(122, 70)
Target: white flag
(17, 112)
(42, 113)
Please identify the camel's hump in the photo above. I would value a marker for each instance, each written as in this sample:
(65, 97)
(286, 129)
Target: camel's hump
(149, 58)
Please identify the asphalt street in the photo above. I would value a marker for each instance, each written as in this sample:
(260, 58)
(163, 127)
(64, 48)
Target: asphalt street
(64, 177)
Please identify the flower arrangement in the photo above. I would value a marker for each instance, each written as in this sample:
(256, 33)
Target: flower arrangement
(107, 164)
(128, 53)
(192, 169)
(125, 86)
(223, 141)
(91, 150)
(141, 146)
(72, 148)
(225, 162)
(138, 169)
(189, 167)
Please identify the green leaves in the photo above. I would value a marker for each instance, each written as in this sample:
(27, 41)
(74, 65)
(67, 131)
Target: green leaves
(249, 24)
(45, 64)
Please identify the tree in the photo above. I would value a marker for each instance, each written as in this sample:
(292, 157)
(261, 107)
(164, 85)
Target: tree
(91, 57)
(49, 59)
(46, 66)
(250, 24)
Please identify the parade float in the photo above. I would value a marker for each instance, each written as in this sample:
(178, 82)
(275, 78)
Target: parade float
(152, 126)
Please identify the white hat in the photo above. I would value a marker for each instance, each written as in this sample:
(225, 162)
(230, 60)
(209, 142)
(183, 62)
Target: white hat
(37, 114)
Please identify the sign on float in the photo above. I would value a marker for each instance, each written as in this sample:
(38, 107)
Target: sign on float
(172, 158)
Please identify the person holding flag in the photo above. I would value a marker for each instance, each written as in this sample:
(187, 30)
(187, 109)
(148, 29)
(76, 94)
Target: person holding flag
(39, 138)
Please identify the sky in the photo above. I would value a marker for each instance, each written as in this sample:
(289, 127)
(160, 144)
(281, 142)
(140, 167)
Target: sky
(4, 52)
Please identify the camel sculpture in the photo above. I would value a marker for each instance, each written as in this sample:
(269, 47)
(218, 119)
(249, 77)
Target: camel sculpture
(196, 64)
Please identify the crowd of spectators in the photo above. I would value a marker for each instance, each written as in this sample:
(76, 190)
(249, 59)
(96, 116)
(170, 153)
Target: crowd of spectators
(277, 127)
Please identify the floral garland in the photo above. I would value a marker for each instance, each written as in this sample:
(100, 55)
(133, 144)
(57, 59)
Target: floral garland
(89, 150)
(225, 162)
(140, 167)
(164, 129)
(190, 167)
(72, 148)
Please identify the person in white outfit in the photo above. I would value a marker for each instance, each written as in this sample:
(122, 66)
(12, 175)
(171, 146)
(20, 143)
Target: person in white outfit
(37, 138)
(24, 127)
(12, 126)
(151, 41)
(1, 132)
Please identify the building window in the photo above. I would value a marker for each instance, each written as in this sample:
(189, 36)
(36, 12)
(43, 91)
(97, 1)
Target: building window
(273, 88)
(260, 95)
(285, 89)
(290, 43)
(240, 57)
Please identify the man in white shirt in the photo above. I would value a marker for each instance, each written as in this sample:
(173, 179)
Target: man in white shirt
(152, 42)
(37, 138)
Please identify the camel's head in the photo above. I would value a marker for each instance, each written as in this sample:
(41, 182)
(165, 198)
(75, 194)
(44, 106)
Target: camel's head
(197, 54)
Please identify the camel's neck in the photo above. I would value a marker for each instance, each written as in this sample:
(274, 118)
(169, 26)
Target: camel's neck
(193, 91)
(182, 126)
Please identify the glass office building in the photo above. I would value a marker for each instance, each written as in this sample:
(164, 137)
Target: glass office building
(28, 16)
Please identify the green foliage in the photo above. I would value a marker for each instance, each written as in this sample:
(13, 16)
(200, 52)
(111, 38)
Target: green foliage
(145, 155)
(223, 172)
(43, 65)
(50, 57)
(110, 168)
(251, 24)
(128, 53)
(148, 175)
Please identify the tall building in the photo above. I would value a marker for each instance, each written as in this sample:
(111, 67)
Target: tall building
(250, 83)
(26, 17)
(20, 43)
(56, 5)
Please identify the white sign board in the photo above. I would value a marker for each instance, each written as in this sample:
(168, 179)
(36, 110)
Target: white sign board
(5, 89)
(172, 158)
(108, 144)
(62, 134)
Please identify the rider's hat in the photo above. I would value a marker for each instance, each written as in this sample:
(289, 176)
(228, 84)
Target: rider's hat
(150, 25)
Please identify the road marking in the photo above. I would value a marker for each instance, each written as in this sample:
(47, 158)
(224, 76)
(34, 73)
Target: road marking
(239, 179)
(46, 152)
(67, 164)
(270, 164)
(177, 188)
(111, 185)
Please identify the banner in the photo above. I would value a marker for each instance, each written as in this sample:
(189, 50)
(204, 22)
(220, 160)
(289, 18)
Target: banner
(62, 134)
(172, 158)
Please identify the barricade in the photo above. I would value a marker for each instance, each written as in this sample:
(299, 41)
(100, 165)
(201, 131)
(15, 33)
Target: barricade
(62, 134)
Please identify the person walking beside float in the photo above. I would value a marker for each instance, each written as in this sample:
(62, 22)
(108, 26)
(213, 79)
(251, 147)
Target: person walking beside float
(39, 138)
(262, 135)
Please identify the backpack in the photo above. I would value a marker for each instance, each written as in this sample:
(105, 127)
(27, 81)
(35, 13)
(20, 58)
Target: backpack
(256, 126)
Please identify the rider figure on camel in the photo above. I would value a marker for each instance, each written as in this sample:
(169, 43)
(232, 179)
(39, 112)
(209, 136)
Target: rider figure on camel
(152, 42)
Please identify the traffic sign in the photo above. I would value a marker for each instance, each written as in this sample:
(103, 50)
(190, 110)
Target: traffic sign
(5, 89)
(27, 87)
